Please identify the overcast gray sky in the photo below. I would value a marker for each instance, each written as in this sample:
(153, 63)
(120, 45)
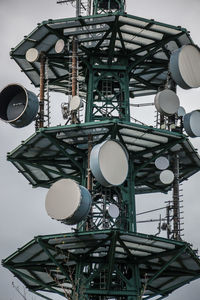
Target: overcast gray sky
(22, 213)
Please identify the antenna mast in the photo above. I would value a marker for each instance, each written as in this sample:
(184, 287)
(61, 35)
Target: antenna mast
(95, 168)
(82, 6)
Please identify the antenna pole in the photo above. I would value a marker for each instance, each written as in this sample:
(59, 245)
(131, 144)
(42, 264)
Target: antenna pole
(74, 66)
(42, 87)
(77, 8)
(89, 175)
(176, 208)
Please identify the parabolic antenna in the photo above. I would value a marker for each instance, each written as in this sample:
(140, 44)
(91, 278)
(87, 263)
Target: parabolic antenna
(167, 177)
(32, 55)
(181, 111)
(162, 163)
(18, 106)
(185, 66)
(59, 46)
(109, 163)
(113, 211)
(167, 102)
(75, 103)
(191, 123)
(68, 202)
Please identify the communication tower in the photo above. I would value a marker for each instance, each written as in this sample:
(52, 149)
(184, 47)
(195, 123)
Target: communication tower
(95, 167)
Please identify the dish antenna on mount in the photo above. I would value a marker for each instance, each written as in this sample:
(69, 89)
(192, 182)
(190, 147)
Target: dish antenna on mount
(18, 106)
(100, 165)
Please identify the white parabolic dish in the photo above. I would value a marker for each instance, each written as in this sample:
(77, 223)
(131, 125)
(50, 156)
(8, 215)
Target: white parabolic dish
(59, 46)
(191, 123)
(162, 163)
(109, 163)
(32, 55)
(181, 111)
(113, 211)
(75, 103)
(185, 66)
(68, 202)
(167, 102)
(167, 177)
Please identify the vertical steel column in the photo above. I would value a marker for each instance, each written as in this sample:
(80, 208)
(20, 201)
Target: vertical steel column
(89, 7)
(90, 88)
(42, 89)
(78, 8)
(135, 283)
(128, 199)
(126, 96)
(89, 173)
(78, 288)
(74, 66)
(132, 204)
(168, 220)
(89, 222)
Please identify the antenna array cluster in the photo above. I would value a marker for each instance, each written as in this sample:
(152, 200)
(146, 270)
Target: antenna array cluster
(99, 160)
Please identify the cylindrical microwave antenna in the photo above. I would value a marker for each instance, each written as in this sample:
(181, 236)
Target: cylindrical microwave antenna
(68, 202)
(191, 123)
(109, 163)
(167, 102)
(18, 106)
(185, 66)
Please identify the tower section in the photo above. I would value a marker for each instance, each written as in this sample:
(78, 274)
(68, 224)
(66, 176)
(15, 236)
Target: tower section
(106, 6)
(95, 164)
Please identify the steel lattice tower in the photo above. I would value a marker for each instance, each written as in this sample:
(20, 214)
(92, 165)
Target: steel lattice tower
(118, 57)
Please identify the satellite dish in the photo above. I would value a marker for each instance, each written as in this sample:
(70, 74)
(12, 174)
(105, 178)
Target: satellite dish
(75, 103)
(185, 66)
(60, 46)
(109, 163)
(162, 163)
(113, 211)
(32, 55)
(181, 111)
(191, 123)
(167, 102)
(167, 177)
(68, 202)
(18, 106)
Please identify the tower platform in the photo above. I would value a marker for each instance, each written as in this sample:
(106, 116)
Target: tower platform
(106, 60)
(107, 261)
(61, 152)
(112, 41)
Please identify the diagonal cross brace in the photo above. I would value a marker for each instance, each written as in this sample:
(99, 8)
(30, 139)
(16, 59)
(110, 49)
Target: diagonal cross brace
(183, 249)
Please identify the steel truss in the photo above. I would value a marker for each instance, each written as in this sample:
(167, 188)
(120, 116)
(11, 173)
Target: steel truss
(111, 264)
(119, 57)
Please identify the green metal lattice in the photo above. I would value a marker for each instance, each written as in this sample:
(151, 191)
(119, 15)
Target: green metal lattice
(120, 57)
(58, 263)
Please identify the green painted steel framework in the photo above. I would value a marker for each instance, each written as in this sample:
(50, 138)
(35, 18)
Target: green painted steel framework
(120, 57)
(103, 6)
(135, 265)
